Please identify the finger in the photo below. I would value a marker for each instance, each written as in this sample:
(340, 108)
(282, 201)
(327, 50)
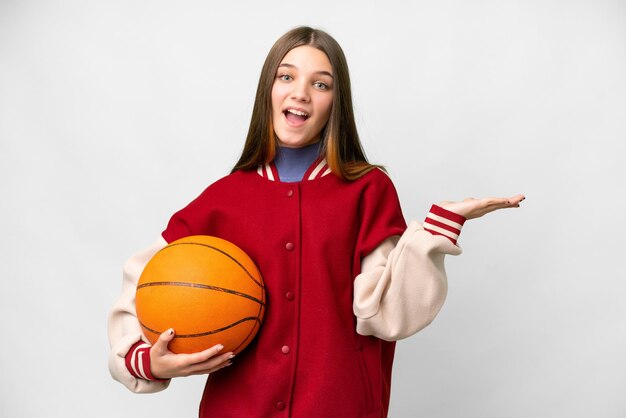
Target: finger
(216, 361)
(212, 369)
(488, 205)
(512, 202)
(517, 199)
(205, 355)
(492, 203)
(212, 364)
(164, 340)
(191, 360)
(497, 201)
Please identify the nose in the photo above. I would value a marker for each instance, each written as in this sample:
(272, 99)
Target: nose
(300, 92)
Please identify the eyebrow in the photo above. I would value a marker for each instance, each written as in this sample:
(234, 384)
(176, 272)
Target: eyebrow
(284, 64)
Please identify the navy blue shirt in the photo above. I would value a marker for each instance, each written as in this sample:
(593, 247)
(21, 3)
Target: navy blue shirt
(292, 163)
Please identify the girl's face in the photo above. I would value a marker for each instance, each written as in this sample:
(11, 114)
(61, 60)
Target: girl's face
(302, 96)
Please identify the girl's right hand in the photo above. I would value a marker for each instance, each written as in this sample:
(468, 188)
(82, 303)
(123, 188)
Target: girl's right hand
(165, 364)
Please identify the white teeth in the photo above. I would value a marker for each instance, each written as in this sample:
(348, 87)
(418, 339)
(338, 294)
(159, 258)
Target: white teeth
(297, 112)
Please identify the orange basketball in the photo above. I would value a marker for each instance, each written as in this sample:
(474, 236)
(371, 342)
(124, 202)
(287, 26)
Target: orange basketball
(207, 289)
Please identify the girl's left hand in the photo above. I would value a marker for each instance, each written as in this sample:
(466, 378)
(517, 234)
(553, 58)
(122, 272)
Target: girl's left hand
(471, 208)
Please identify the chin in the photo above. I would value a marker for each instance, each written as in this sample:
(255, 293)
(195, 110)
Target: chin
(295, 143)
(291, 144)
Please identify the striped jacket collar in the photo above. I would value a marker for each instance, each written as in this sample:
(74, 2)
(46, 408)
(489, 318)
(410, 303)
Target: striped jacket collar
(317, 170)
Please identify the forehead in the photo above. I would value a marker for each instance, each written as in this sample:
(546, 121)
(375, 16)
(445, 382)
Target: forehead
(308, 58)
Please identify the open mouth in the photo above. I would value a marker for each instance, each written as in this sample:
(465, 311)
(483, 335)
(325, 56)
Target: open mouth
(295, 116)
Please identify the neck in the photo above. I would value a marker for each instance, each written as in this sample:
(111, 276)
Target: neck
(292, 163)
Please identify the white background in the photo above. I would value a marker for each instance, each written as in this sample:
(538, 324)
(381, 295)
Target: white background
(114, 114)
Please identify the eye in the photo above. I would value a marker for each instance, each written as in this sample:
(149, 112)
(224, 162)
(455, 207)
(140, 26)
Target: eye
(284, 77)
(321, 86)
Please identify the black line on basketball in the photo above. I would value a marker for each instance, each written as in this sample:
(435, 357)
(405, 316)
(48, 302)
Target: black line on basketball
(218, 250)
(202, 286)
(203, 334)
(261, 307)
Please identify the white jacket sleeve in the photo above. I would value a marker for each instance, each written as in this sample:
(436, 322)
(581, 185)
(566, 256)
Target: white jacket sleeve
(402, 284)
(124, 329)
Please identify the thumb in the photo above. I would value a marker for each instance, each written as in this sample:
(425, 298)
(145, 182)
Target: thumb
(164, 340)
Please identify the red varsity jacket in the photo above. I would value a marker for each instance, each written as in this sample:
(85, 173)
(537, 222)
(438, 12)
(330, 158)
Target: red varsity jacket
(308, 240)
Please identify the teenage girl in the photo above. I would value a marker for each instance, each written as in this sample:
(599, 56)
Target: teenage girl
(345, 276)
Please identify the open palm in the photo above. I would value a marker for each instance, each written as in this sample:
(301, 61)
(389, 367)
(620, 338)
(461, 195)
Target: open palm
(471, 208)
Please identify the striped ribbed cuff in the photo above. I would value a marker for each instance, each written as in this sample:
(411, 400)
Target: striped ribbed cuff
(443, 222)
(138, 362)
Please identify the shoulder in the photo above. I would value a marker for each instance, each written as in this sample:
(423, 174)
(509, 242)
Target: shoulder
(377, 192)
(227, 184)
(379, 175)
(200, 212)
(237, 177)
(380, 212)
(376, 181)
(216, 192)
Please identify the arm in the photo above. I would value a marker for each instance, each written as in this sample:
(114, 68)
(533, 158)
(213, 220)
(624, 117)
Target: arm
(403, 282)
(129, 360)
(133, 361)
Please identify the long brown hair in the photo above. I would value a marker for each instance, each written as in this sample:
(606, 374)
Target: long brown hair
(340, 141)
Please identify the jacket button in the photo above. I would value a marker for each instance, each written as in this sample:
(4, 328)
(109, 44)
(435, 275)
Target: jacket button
(289, 192)
(289, 295)
(289, 246)
(285, 349)
(280, 405)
